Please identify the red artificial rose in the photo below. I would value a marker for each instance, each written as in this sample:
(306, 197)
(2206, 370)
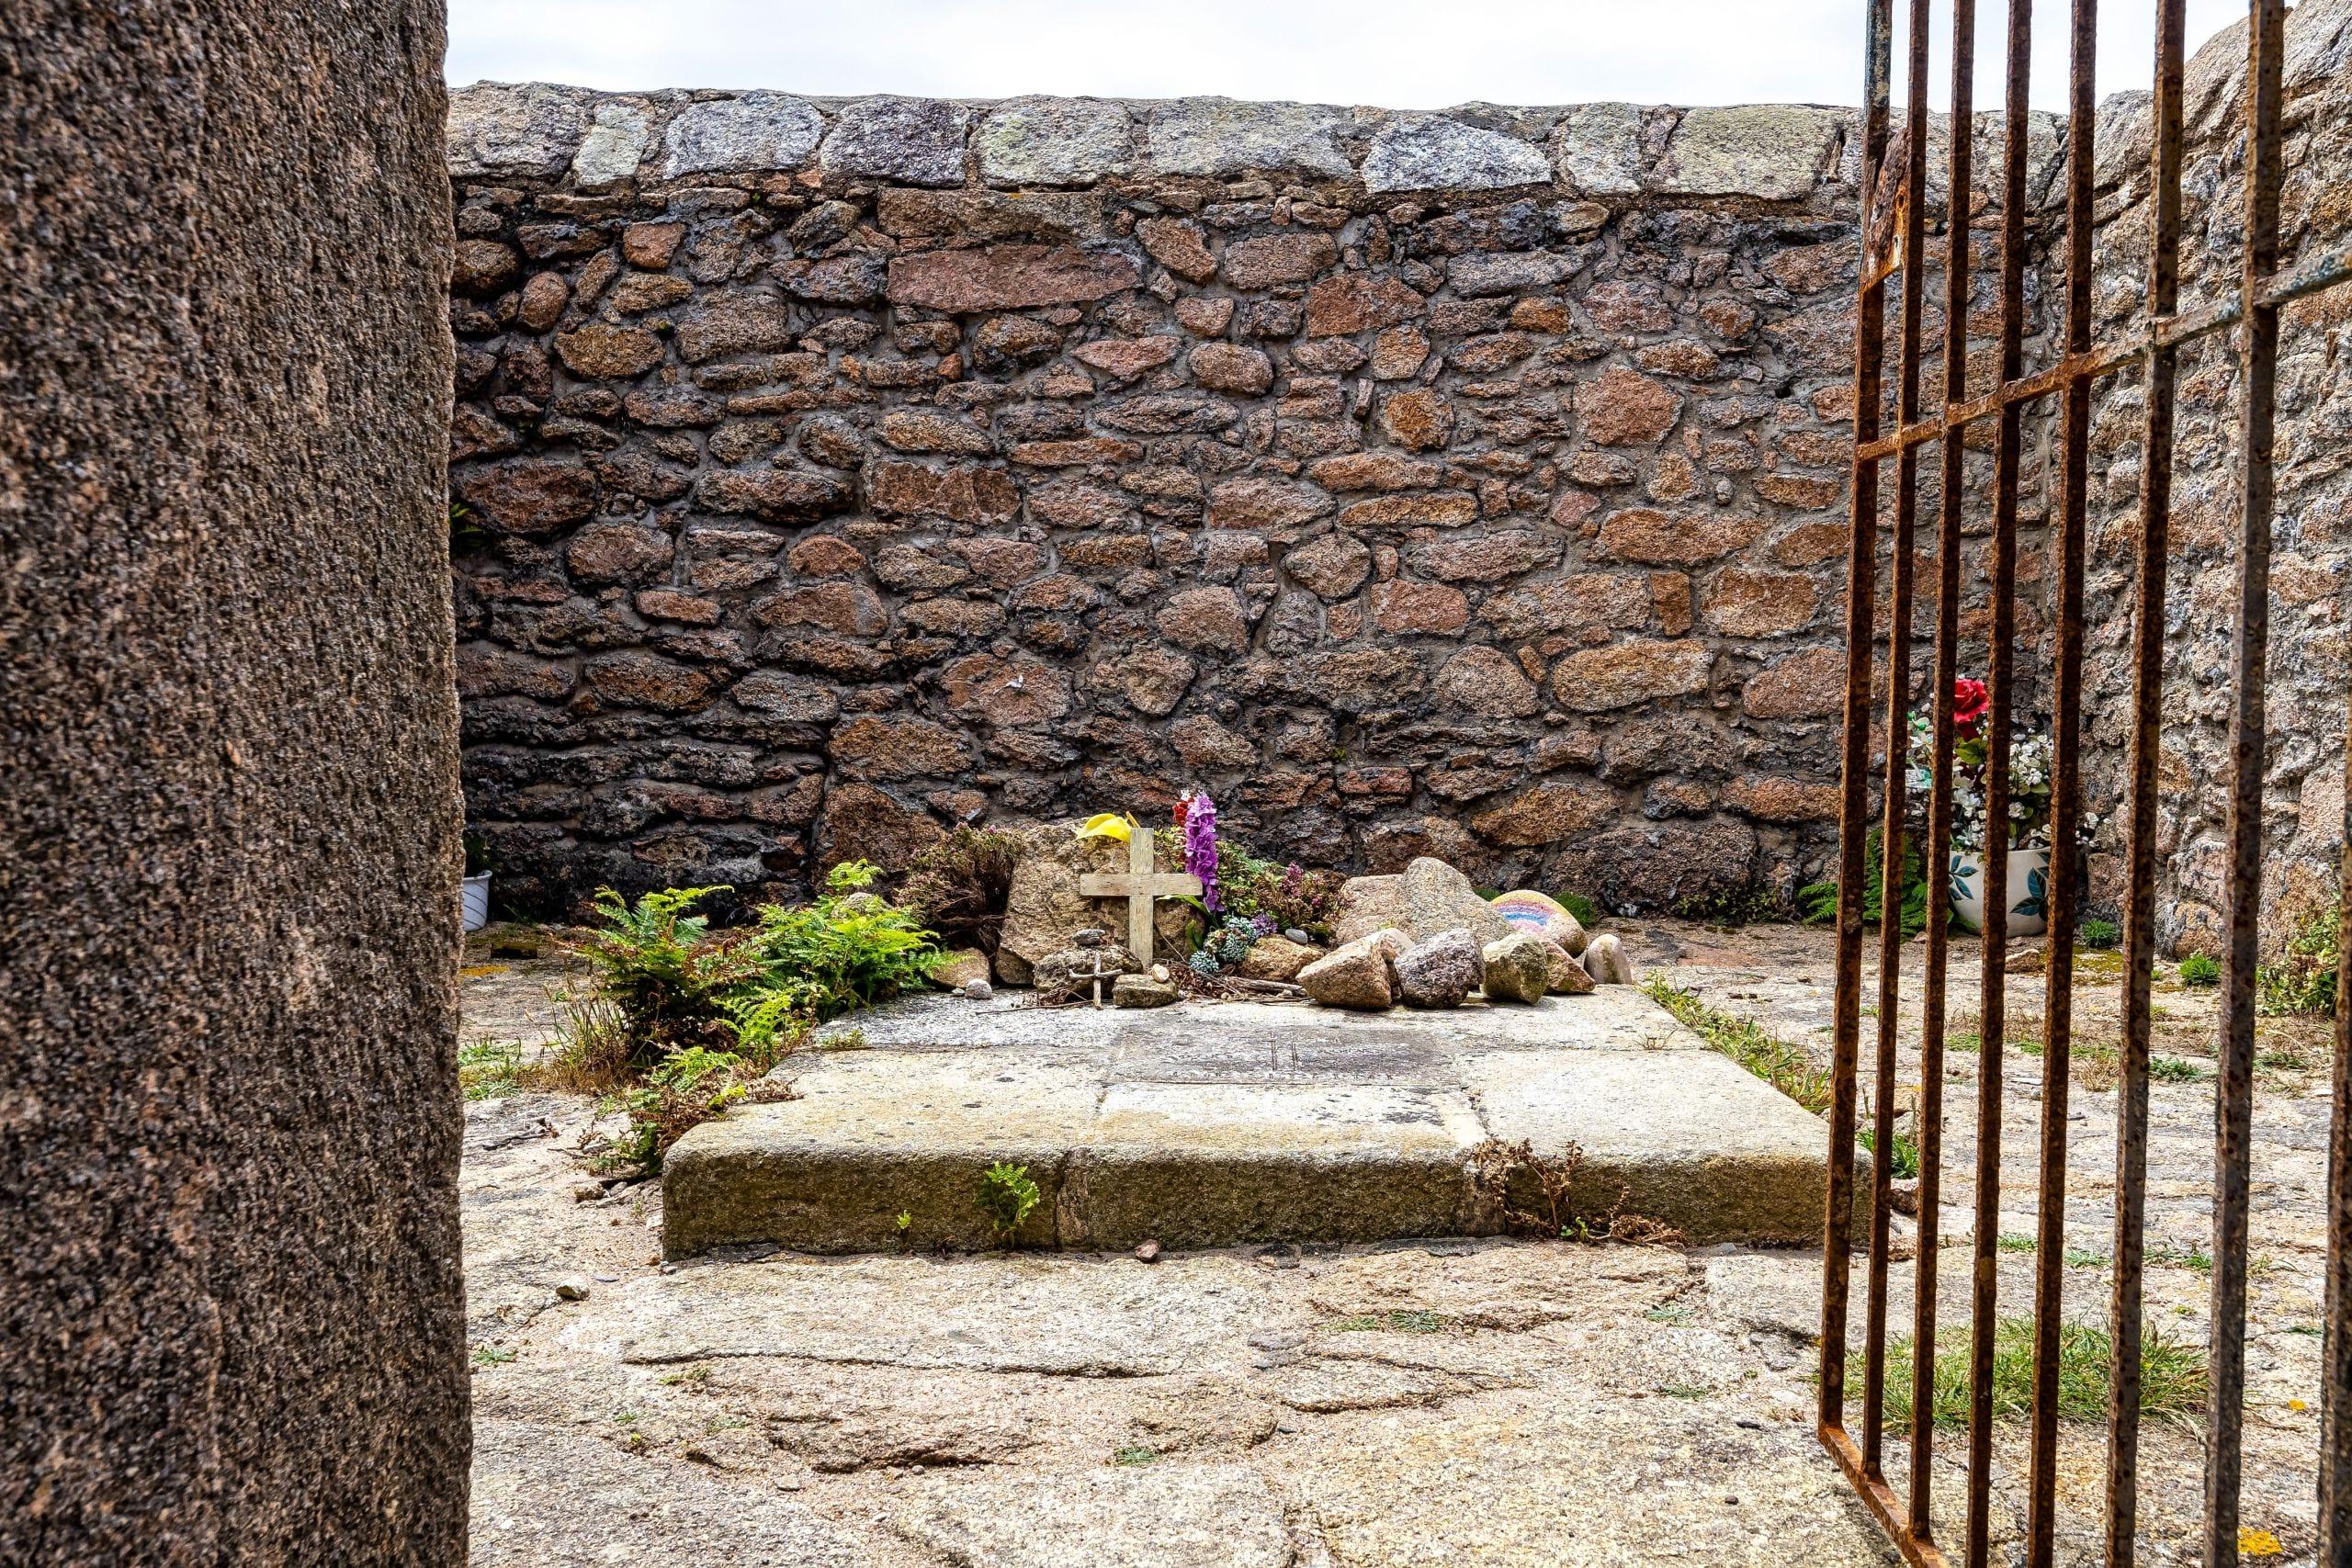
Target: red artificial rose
(1184, 808)
(1969, 700)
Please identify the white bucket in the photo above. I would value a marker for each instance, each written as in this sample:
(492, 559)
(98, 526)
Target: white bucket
(473, 897)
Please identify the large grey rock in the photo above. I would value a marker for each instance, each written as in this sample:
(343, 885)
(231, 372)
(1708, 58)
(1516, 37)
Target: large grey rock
(1440, 972)
(1044, 911)
(1142, 991)
(1605, 961)
(1054, 142)
(916, 141)
(1426, 898)
(501, 127)
(614, 146)
(1568, 976)
(1277, 958)
(1770, 152)
(1598, 149)
(752, 133)
(1437, 152)
(960, 967)
(1518, 969)
(1358, 974)
(1222, 136)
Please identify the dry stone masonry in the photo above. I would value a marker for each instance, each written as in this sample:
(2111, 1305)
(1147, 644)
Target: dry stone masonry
(1468, 484)
(1462, 484)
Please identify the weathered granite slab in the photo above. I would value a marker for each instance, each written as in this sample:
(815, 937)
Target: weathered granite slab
(1208, 1125)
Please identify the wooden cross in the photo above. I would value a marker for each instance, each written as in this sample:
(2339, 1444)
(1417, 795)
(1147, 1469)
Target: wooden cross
(1140, 884)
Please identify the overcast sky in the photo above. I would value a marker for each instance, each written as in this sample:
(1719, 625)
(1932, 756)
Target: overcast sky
(1394, 53)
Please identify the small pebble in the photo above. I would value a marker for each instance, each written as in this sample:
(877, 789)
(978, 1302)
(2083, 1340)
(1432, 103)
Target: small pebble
(1298, 936)
(587, 1191)
(1148, 1253)
(571, 1290)
(979, 990)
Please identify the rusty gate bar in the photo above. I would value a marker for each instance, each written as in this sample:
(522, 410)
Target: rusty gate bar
(2234, 1113)
(1870, 325)
(1892, 220)
(2065, 800)
(2001, 682)
(1958, 278)
(1910, 215)
(2139, 900)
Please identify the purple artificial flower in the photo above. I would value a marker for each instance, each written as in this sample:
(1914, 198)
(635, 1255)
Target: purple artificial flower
(1200, 848)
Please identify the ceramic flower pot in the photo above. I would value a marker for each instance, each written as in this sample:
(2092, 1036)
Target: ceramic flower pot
(2028, 891)
(473, 895)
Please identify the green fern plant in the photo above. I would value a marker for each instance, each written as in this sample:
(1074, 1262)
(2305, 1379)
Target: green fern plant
(657, 962)
(1817, 901)
(847, 950)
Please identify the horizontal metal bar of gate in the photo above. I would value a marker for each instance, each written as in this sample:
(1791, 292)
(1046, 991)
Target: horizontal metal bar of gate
(2325, 271)
(2264, 289)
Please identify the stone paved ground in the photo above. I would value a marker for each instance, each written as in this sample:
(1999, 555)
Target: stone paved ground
(1447, 1403)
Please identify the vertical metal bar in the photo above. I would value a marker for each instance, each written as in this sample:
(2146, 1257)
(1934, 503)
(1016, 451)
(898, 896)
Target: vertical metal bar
(2065, 803)
(2234, 1113)
(2002, 670)
(1894, 824)
(1854, 807)
(2335, 1387)
(2147, 741)
(1957, 280)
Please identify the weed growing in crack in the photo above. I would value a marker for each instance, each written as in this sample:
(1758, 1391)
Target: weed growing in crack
(1787, 1067)
(1007, 1197)
(1549, 1210)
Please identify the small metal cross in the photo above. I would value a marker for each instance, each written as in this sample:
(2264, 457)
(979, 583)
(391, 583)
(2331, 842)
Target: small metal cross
(1140, 884)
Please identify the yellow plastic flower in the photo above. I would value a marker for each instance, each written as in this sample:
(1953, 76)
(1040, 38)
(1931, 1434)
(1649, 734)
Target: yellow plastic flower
(2260, 1543)
(1109, 825)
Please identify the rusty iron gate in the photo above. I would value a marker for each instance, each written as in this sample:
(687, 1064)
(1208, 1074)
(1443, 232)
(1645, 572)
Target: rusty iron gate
(1894, 180)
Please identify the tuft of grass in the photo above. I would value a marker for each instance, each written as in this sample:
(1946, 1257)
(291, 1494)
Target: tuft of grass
(1586, 912)
(2172, 1070)
(2078, 1259)
(1397, 1320)
(1684, 1390)
(2029, 1047)
(1968, 1044)
(490, 1069)
(1904, 1160)
(1134, 1455)
(2099, 936)
(2194, 1258)
(2015, 1241)
(1787, 1067)
(2200, 969)
(2172, 1375)
(492, 1355)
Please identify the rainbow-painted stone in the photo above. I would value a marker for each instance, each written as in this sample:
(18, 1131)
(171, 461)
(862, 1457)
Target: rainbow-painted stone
(1532, 911)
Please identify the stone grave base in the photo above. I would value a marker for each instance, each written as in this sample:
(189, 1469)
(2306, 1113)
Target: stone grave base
(1215, 1124)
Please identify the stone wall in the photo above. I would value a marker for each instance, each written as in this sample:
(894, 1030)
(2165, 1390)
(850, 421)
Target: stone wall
(1470, 483)
(834, 471)
(2310, 661)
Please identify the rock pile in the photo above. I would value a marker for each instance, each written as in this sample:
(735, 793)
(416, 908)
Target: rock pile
(1391, 962)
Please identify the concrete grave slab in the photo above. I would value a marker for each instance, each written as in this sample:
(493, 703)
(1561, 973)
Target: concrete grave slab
(1217, 1124)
